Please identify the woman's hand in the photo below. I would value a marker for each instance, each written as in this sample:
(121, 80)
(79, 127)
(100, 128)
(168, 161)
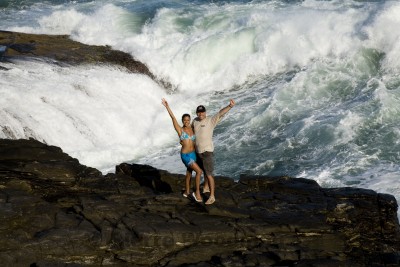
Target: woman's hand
(164, 102)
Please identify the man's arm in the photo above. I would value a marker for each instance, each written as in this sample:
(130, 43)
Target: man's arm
(224, 110)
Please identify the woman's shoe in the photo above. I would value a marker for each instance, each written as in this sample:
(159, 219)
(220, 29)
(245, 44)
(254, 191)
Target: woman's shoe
(185, 195)
(210, 200)
(197, 200)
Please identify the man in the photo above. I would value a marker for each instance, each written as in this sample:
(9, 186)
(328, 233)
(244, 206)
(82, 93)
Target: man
(203, 128)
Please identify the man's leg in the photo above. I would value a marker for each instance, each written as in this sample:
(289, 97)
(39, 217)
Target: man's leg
(208, 163)
(211, 183)
(206, 188)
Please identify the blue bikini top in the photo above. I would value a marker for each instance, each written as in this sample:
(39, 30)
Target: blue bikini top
(185, 136)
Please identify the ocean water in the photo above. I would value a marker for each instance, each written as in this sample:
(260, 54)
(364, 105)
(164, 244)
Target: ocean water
(316, 83)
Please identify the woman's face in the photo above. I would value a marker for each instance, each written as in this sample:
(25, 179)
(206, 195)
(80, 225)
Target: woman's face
(186, 121)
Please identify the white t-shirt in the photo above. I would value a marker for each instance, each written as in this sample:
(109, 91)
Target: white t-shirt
(204, 130)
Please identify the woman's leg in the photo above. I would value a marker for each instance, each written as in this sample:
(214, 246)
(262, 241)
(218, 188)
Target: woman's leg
(198, 171)
(187, 180)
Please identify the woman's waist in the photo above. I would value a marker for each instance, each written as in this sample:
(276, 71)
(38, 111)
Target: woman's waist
(188, 151)
(188, 147)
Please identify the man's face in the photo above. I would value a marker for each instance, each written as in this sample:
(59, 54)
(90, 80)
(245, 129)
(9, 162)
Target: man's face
(201, 115)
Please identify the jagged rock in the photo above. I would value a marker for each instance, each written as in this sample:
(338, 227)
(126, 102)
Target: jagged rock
(64, 50)
(57, 212)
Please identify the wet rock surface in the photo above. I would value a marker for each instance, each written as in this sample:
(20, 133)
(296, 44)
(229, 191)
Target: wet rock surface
(57, 212)
(60, 49)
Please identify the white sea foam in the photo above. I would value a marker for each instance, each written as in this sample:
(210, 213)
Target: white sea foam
(383, 34)
(99, 115)
(224, 45)
(347, 128)
(214, 47)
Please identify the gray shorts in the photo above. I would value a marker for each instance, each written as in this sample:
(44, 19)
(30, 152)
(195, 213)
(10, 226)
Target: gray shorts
(207, 162)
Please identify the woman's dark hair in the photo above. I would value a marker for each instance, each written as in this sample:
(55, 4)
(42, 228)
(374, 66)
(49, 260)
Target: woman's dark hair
(185, 115)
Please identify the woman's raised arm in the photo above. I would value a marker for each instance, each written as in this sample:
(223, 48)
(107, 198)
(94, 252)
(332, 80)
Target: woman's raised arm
(177, 127)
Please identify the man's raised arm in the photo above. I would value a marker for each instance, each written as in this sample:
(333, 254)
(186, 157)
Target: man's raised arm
(224, 110)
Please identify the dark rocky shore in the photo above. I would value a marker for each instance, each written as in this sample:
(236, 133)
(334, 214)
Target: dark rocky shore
(57, 212)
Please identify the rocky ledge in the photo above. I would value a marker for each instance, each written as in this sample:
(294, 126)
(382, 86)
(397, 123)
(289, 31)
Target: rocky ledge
(57, 212)
(60, 49)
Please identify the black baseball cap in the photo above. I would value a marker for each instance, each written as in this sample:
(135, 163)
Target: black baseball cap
(200, 108)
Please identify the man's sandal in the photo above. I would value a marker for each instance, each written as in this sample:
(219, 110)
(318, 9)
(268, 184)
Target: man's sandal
(210, 200)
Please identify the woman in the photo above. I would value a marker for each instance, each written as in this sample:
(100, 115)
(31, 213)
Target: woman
(188, 151)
